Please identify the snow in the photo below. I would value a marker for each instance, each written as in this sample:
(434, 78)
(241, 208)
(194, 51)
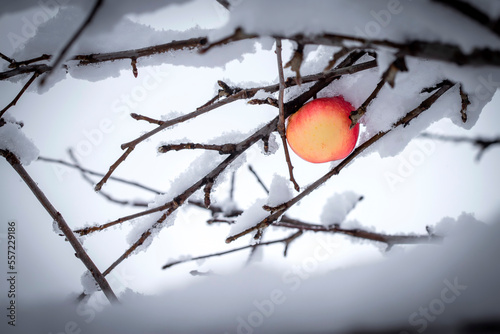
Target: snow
(373, 19)
(384, 296)
(280, 191)
(368, 19)
(202, 166)
(88, 282)
(249, 218)
(13, 139)
(272, 145)
(385, 57)
(337, 207)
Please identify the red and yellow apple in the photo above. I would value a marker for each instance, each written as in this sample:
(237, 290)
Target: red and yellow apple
(319, 131)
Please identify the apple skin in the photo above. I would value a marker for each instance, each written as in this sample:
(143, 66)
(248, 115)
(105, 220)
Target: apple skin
(319, 131)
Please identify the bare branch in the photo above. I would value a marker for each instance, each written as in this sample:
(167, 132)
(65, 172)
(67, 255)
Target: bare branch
(102, 193)
(286, 240)
(481, 143)
(238, 35)
(133, 63)
(87, 171)
(342, 52)
(296, 62)
(113, 167)
(281, 122)
(16, 64)
(250, 168)
(465, 102)
(21, 92)
(7, 59)
(63, 226)
(416, 48)
(389, 76)
(222, 149)
(73, 39)
(146, 118)
(396, 239)
(231, 189)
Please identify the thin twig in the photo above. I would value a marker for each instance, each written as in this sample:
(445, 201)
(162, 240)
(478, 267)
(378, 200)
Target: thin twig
(281, 122)
(146, 118)
(336, 56)
(131, 145)
(188, 44)
(21, 92)
(416, 48)
(16, 64)
(87, 171)
(231, 189)
(102, 193)
(63, 226)
(73, 39)
(389, 76)
(296, 61)
(250, 168)
(481, 143)
(465, 103)
(7, 59)
(222, 149)
(286, 240)
(112, 168)
(360, 233)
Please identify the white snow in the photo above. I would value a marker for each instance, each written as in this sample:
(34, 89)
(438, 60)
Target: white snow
(13, 139)
(456, 276)
(249, 218)
(337, 207)
(88, 282)
(279, 191)
(368, 19)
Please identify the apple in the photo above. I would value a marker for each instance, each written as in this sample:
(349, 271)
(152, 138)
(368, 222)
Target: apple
(319, 131)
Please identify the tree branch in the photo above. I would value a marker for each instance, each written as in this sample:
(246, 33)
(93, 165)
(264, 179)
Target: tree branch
(21, 92)
(389, 76)
(73, 39)
(415, 48)
(63, 226)
(250, 168)
(286, 240)
(281, 120)
(481, 143)
(87, 171)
